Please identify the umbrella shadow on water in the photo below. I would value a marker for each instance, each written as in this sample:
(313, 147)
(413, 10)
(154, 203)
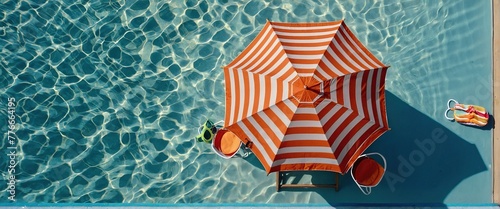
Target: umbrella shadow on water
(425, 163)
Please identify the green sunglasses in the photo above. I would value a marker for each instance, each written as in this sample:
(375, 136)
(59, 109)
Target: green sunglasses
(207, 132)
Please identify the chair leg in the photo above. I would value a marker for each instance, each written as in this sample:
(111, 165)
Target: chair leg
(278, 181)
(366, 190)
(337, 182)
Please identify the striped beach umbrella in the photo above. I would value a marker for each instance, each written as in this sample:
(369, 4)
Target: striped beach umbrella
(306, 96)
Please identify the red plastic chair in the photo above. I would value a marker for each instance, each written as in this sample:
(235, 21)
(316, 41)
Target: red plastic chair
(367, 173)
(226, 144)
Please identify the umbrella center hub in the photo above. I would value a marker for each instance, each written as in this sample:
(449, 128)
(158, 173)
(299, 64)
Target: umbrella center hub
(306, 93)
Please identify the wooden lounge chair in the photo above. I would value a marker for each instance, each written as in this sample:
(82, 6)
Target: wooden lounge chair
(281, 184)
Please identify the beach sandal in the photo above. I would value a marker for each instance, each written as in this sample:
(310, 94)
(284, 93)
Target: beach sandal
(471, 115)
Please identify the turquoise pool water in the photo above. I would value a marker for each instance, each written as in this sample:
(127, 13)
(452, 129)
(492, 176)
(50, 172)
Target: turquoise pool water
(108, 96)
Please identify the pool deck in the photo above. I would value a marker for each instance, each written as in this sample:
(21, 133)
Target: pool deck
(496, 99)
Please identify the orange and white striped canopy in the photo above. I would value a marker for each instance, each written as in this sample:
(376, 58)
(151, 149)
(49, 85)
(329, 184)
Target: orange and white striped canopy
(308, 96)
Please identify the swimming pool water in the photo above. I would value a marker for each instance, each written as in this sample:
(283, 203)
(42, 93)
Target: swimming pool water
(109, 95)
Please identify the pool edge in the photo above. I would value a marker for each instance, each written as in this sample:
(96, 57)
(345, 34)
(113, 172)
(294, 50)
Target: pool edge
(496, 102)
